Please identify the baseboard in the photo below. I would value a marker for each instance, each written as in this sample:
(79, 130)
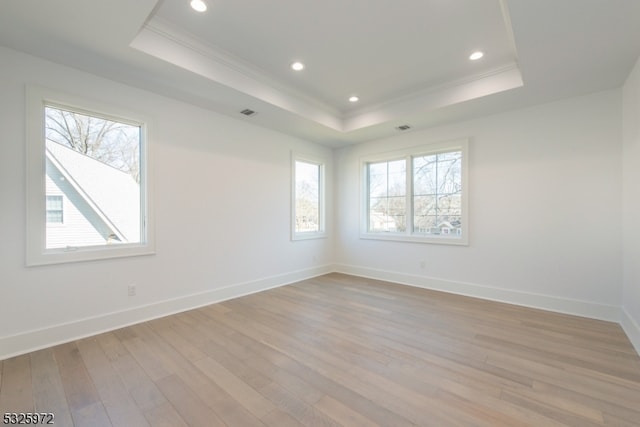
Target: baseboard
(545, 302)
(42, 338)
(631, 328)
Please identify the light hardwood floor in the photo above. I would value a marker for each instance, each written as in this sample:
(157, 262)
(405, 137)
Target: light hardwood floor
(338, 350)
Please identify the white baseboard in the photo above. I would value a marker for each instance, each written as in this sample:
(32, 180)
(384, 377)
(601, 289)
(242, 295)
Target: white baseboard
(42, 338)
(631, 327)
(26, 342)
(545, 302)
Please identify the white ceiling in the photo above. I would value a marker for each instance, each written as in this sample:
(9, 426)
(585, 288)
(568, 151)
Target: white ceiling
(407, 60)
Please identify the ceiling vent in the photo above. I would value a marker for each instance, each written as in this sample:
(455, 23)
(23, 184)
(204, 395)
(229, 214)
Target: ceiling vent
(403, 127)
(247, 112)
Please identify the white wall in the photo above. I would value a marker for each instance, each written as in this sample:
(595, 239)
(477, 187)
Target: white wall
(631, 206)
(212, 173)
(545, 214)
(546, 217)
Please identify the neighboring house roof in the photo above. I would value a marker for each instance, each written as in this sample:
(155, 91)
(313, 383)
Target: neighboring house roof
(112, 193)
(447, 224)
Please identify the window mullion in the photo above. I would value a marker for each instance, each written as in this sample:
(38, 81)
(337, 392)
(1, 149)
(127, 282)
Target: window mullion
(409, 195)
(427, 193)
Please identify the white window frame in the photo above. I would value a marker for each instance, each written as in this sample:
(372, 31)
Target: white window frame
(321, 163)
(408, 154)
(36, 252)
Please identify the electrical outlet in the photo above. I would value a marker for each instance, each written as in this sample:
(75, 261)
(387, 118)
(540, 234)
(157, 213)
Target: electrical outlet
(131, 291)
(423, 265)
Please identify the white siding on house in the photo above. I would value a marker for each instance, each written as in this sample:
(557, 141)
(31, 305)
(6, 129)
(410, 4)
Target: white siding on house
(81, 226)
(101, 191)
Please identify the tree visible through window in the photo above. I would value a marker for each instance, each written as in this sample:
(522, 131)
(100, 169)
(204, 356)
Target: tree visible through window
(308, 198)
(417, 194)
(95, 163)
(110, 142)
(88, 192)
(437, 193)
(387, 195)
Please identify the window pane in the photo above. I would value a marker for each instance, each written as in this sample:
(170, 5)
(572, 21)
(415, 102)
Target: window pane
(378, 179)
(418, 198)
(424, 175)
(95, 163)
(54, 209)
(437, 194)
(307, 197)
(54, 203)
(397, 184)
(449, 173)
(387, 188)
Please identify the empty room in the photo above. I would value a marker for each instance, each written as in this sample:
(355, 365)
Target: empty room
(320, 213)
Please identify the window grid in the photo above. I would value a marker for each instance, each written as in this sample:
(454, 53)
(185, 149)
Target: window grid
(387, 196)
(54, 210)
(432, 207)
(437, 209)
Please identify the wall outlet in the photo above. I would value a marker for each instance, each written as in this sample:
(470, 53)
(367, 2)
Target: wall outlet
(131, 290)
(423, 265)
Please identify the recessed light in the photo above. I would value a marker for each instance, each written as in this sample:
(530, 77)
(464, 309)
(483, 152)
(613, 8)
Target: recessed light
(297, 66)
(198, 5)
(354, 99)
(476, 55)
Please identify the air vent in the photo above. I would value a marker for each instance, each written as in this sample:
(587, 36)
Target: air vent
(403, 127)
(247, 112)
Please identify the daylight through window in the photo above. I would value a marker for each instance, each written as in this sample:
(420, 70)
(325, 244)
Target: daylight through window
(93, 197)
(95, 163)
(308, 198)
(417, 195)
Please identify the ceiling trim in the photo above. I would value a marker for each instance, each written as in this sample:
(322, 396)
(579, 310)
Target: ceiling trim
(493, 81)
(163, 40)
(508, 27)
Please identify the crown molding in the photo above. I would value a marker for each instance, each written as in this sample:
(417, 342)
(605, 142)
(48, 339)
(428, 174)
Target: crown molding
(163, 40)
(431, 98)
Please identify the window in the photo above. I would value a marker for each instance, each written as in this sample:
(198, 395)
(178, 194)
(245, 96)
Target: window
(307, 198)
(417, 195)
(54, 210)
(387, 195)
(88, 189)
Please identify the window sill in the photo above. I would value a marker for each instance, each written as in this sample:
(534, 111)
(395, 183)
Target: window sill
(89, 253)
(414, 238)
(308, 236)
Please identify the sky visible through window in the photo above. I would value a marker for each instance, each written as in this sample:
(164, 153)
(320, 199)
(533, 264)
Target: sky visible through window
(432, 205)
(93, 167)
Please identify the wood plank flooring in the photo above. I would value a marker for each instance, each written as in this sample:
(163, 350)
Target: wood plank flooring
(338, 351)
